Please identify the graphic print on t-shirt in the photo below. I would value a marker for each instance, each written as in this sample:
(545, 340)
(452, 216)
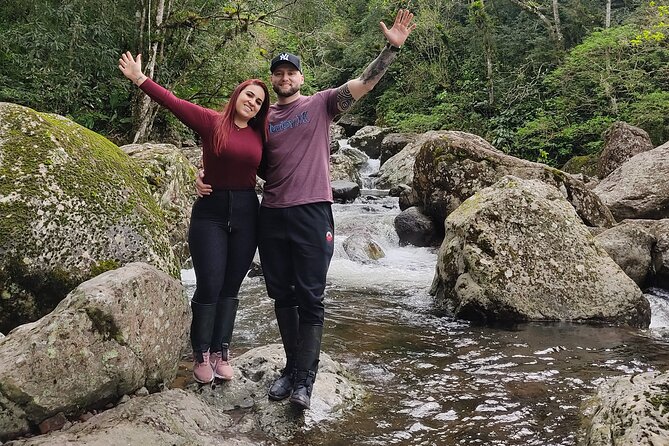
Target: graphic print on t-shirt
(302, 118)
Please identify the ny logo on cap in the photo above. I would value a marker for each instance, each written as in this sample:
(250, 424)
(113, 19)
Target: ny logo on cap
(284, 56)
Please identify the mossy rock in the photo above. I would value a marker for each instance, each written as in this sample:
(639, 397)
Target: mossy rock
(72, 205)
(585, 164)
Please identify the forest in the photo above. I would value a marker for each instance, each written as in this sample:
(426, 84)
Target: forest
(539, 79)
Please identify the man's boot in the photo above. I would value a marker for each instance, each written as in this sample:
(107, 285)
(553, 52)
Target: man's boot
(288, 320)
(306, 364)
(226, 313)
(201, 329)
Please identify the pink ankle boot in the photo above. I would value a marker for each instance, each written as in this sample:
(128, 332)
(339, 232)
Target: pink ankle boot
(221, 366)
(202, 371)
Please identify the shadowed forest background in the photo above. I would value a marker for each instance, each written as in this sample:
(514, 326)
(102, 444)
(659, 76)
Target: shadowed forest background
(540, 80)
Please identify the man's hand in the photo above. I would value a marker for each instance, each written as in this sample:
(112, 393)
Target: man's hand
(400, 30)
(202, 189)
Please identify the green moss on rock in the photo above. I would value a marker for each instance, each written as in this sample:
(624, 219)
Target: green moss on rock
(105, 325)
(72, 205)
(586, 164)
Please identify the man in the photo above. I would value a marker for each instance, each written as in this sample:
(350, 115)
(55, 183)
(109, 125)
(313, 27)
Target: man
(296, 228)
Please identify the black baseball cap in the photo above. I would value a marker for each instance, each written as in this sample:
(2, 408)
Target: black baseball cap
(283, 58)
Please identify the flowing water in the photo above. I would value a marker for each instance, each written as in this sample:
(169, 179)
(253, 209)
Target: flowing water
(432, 380)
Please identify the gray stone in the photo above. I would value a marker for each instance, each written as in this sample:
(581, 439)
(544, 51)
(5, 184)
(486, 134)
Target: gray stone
(337, 133)
(393, 143)
(638, 188)
(368, 139)
(630, 246)
(335, 393)
(73, 205)
(112, 335)
(451, 166)
(170, 177)
(361, 247)
(398, 169)
(351, 123)
(517, 251)
(629, 410)
(415, 228)
(621, 142)
(345, 165)
(345, 191)
(173, 417)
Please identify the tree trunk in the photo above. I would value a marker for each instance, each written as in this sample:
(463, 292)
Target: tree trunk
(607, 22)
(147, 108)
(484, 26)
(558, 27)
(554, 27)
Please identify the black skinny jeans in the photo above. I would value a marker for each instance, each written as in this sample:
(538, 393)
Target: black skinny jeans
(222, 241)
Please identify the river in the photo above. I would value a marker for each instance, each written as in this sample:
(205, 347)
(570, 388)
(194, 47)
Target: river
(432, 380)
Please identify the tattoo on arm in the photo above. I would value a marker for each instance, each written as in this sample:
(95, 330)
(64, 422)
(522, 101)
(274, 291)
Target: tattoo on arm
(378, 67)
(344, 98)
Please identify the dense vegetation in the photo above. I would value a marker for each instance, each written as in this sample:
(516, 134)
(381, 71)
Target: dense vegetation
(538, 80)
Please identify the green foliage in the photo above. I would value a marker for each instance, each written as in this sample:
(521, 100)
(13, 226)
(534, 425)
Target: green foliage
(60, 56)
(551, 140)
(658, 29)
(650, 112)
(604, 79)
(537, 99)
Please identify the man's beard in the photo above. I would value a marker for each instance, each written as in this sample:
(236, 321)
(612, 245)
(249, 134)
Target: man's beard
(285, 93)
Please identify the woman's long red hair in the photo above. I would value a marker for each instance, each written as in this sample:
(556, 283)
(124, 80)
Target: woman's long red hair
(227, 121)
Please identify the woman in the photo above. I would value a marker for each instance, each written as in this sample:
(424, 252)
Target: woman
(222, 234)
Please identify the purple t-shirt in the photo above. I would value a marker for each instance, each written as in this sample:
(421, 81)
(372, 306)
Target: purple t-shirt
(298, 151)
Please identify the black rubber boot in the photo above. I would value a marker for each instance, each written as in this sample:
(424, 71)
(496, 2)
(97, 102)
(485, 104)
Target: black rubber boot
(288, 320)
(306, 364)
(201, 328)
(226, 313)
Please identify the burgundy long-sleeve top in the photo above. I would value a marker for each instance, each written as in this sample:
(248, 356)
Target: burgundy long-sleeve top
(236, 166)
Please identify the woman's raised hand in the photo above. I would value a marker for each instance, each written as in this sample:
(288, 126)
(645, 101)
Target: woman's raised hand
(132, 67)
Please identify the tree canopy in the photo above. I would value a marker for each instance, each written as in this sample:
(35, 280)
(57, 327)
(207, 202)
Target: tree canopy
(538, 79)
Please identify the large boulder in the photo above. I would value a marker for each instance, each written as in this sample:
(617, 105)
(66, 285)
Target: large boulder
(393, 143)
(660, 253)
(638, 188)
(629, 410)
(170, 176)
(450, 167)
(335, 394)
(517, 251)
(173, 417)
(621, 142)
(414, 227)
(114, 334)
(398, 169)
(210, 415)
(345, 165)
(631, 242)
(72, 205)
(368, 139)
(630, 245)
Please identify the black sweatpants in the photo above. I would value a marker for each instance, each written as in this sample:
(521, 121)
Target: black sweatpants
(222, 239)
(296, 245)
